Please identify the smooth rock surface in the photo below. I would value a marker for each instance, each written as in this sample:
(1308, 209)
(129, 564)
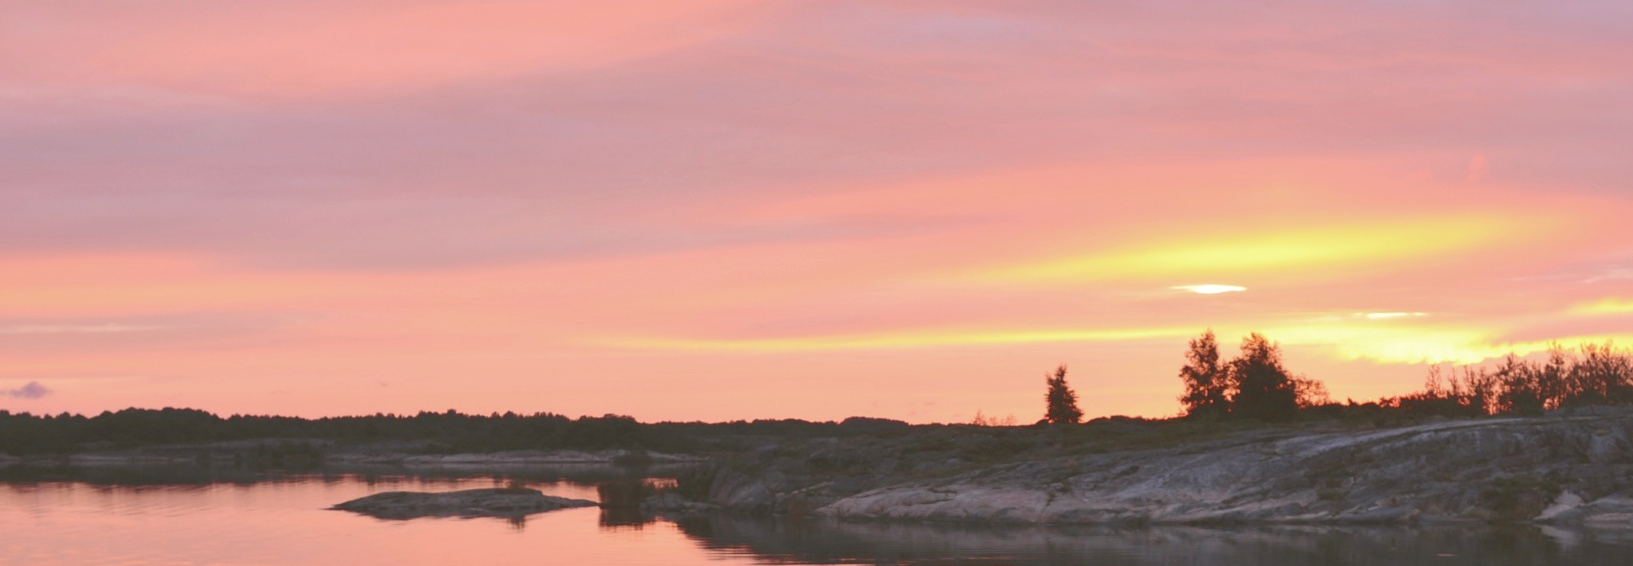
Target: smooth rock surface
(1561, 470)
(495, 502)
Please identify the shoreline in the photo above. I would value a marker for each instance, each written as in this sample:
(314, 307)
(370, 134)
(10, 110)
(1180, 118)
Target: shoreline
(238, 452)
(1558, 469)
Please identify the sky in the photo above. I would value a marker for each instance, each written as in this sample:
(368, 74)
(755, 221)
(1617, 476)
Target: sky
(733, 209)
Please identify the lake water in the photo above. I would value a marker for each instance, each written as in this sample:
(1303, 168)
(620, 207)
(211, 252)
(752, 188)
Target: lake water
(201, 516)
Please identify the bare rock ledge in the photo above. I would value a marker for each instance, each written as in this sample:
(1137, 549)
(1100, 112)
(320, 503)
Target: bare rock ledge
(1566, 468)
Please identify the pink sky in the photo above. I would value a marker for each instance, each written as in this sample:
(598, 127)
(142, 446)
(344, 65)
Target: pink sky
(731, 209)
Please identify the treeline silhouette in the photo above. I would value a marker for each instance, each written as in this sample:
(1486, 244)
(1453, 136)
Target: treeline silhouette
(1257, 386)
(1585, 376)
(446, 432)
(29, 434)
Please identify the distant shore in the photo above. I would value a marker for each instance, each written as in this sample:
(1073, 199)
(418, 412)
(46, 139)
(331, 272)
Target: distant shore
(310, 452)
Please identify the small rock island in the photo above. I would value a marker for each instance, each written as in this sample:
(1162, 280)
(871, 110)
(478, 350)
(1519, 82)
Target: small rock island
(506, 502)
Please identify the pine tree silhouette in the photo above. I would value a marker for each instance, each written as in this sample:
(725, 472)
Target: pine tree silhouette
(1062, 402)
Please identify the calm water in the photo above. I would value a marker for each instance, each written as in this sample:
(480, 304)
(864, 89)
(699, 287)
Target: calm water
(178, 517)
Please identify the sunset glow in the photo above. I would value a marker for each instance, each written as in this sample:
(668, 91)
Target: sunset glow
(1211, 289)
(733, 210)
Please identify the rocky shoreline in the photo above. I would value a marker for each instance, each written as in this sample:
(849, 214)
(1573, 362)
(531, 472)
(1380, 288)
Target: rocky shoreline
(1561, 469)
(1566, 468)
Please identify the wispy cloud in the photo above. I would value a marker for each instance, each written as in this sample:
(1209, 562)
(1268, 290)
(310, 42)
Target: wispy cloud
(1618, 273)
(900, 340)
(770, 196)
(30, 390)
(75, 328)
(1610, 306)
(1314, 248)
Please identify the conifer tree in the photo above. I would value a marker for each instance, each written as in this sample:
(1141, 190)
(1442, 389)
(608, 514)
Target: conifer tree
(1206, 383)
(1062, 401)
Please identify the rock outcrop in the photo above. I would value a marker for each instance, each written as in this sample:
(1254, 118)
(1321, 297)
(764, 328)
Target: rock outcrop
(1561, 469)
(496, 502)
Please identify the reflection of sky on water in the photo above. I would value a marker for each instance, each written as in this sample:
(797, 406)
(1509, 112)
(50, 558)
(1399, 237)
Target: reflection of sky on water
(830, 541)
(285, 522)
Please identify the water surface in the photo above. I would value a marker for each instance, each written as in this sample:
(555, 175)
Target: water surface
(193, 516)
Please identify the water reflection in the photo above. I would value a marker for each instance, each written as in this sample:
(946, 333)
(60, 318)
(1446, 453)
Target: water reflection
(192, 515)
(832, 541)
(621, 501)
(136, 475)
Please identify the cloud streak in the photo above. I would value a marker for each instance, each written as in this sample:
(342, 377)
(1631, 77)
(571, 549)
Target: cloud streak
(109, 328)
(736, 203)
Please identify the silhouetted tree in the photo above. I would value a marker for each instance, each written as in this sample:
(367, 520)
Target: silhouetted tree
(1591, 374)
(1601, 376)
(1062, 402)
(1309, 392)
(1467, 392)
(1521, 393)
(1206, 383)
(1262, 388)
(1552, 377)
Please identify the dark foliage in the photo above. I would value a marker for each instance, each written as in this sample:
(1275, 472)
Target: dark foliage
(869, 425)
(1061, 400)
(1207, 386)
(1590, 375)
(23, 433)
(1261, 388)
(450, 431)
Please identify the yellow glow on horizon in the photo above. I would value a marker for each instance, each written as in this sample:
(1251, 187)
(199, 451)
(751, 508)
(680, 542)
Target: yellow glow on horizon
(1269, 251)
(1388, 315)
(1351, 342)
(1209, 289)
(1605, 307)
(1387, 339)
(1395, 344)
